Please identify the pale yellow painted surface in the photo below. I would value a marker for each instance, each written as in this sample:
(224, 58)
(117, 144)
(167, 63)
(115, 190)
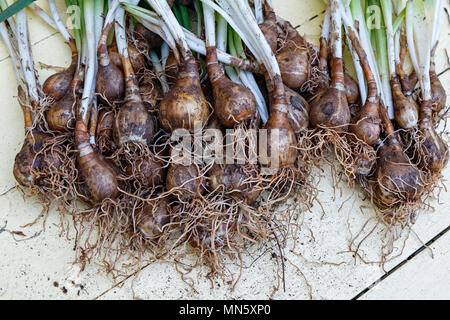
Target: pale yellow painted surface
(29, 268)
(427, 276)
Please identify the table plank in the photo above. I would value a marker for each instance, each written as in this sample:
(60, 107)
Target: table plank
(39, 29)
(38, 264)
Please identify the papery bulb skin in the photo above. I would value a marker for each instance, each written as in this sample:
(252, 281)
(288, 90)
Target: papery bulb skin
(293, 59)
(298, 110)
(269, 29)
(110, 82)
(57, 84)
(439, 96)
(152, 40)
(233, 178)
(330, 109)
(233, 103)
(184, 182)
(367, 123)
(137, 59)
(152, 218)
(406, 110)
(61, 115)
(33, 163)
(133, 123)
(114, 56)
(434, 151)
(104, 132)
(149, 171)
(281, 152)
(185, 105)
(351, 90)
(105, 124)
(150, 94)
(171, 68)
(398, 178)
(100, 176)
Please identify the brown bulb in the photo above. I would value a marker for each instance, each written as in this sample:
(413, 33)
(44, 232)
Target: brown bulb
(57, 84)
(104, 134)
(331, 110)
(184, 181)
(151, 39)
(152, 218)
(32, 164)
(287, 154)
(150, 93)
(293, 59)
(137, 59)
(171, 68)
(282, 152)
(234, 179)
(351, 89)
(413, 80)
(114, 55)
(149, 170)
(233, 103)
(105, 124)
(269, 29)
(439, 96)
(435, 153)
(133, 123)
(364, 164)
(406, 110)
(398, 179)
(185, 105)
(99, 175)
(366, 125)
(61, 115)
(110, 82)
(298, 110)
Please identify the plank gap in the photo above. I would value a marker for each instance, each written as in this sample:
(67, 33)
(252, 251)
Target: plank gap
(414, 254)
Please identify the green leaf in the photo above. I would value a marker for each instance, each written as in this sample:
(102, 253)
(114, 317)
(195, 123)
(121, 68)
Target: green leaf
(399, 20)
(14, 8)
